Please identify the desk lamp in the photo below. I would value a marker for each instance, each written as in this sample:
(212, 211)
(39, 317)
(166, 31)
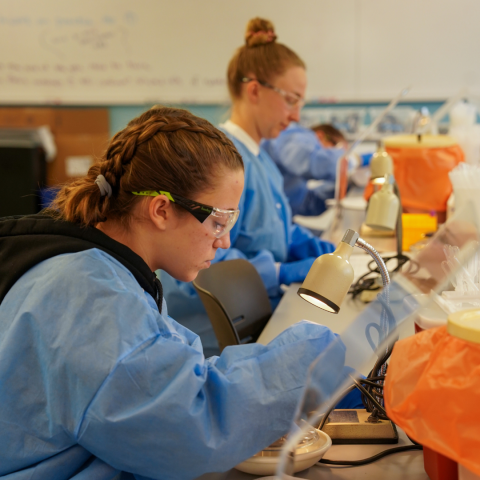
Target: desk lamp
(384, 218)
(384, 211)
(331, 275)
(381, 164)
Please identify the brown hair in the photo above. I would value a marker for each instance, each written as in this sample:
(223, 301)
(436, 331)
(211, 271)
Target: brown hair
(261, 56)
(164, 148)
(332, 134)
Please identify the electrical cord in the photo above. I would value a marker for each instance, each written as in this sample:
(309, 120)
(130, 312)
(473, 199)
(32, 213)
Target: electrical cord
(368, 281)
(366, 461)
(377, 411)
(371, 387)
(372, 391)
(372, 401)
(378, 456)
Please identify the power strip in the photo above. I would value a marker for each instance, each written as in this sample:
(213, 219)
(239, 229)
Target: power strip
(351, 427)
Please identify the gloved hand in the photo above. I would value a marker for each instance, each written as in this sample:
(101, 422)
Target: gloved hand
(309, 247)
(365, 159)
(295, 271)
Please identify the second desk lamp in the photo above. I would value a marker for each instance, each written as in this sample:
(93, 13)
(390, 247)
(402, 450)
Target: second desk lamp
(384, 211)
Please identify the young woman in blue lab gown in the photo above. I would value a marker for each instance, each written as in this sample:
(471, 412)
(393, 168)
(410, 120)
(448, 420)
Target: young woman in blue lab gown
(97, 380)
(267, 83)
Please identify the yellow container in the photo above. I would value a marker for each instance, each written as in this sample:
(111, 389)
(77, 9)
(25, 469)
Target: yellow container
(415, 227)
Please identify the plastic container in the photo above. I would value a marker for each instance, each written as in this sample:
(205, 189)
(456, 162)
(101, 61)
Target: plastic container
(432, 392)
(431, 316)
(415, 227)
(439, 467)
(353, 212)
(308, 453)
(465, 325)
(421, 164)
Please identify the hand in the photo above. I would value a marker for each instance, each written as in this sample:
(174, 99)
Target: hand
(295, 271)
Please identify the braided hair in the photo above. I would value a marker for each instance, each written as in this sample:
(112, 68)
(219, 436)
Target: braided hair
(163, 149)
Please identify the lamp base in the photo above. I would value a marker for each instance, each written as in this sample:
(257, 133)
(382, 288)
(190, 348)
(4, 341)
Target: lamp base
(348, 427)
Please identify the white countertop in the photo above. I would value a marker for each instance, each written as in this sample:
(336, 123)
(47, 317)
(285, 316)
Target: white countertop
(398, 466)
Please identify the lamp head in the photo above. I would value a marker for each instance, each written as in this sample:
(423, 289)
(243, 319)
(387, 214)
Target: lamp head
(381, 164)
(330, 276)
(383, 207)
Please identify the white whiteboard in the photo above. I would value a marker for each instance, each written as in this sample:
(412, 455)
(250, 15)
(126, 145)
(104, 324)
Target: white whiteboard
(107, 52)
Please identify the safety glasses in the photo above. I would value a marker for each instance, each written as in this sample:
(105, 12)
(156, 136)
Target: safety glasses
(218, 221)
(293, 100)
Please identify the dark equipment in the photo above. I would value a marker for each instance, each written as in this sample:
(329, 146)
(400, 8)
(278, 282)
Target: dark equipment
(22, 171)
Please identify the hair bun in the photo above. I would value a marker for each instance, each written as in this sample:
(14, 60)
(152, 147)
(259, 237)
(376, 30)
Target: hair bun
(259, 32)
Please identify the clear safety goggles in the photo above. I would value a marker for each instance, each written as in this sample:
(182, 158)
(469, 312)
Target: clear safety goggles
(218, 221)
(293, 100)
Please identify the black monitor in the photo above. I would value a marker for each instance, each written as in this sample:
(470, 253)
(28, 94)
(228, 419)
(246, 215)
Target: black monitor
(22, 171)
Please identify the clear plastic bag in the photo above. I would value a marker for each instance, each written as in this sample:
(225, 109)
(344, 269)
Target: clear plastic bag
(372, 335)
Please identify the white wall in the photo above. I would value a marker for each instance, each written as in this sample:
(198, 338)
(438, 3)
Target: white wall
(143, 51)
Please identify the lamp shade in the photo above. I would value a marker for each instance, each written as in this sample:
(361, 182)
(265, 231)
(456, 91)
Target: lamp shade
(381, 164)
(330, 277)
(383, 209)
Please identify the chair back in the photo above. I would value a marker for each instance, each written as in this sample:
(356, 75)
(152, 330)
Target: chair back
(236, 301)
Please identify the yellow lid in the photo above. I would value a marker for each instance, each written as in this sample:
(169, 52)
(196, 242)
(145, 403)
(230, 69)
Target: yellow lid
(419, 141)
(465, 325)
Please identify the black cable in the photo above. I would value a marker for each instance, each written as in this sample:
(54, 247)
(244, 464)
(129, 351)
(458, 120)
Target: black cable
(365, 282)
(368, 382)
(370, 397)
(377, 410)
(372, 388)
(381, 377)
(366, 461)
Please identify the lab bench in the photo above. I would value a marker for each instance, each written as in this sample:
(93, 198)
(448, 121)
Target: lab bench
(398, 466)
(402, 465)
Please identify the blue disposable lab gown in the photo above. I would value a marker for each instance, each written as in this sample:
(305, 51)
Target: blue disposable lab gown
(264, 235)
(300, 157)
(95, 381)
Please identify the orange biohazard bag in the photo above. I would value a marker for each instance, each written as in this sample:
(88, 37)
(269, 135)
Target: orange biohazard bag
(432, 392)
(421, 165)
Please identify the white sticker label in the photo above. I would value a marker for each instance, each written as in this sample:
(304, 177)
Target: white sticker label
(78, 166)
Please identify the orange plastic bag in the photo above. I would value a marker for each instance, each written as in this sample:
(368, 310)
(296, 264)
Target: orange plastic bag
(432, 392)
(421, 169)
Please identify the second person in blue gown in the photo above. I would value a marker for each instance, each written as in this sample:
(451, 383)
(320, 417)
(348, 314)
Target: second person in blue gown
(302, 156)
(267, 83)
